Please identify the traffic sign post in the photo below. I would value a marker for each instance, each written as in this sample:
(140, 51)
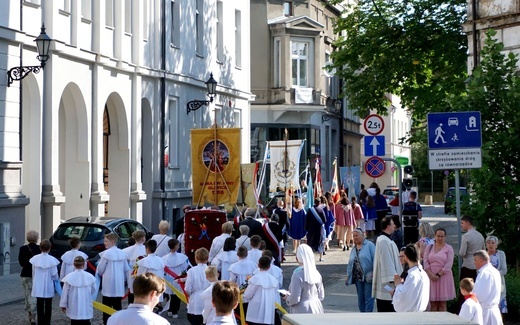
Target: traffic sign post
(374, 145)
(375, 167)
(454, 140)
(374, 124)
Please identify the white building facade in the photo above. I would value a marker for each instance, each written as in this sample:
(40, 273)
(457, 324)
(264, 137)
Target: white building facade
(104, 129)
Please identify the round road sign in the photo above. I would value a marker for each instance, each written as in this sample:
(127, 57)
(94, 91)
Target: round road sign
(375, 167)
(374, 124)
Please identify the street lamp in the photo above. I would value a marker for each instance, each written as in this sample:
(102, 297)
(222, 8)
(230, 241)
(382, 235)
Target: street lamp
(211, 86)
(338, 103)
(43, 43)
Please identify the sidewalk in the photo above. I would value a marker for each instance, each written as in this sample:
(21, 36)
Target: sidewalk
(12, 291)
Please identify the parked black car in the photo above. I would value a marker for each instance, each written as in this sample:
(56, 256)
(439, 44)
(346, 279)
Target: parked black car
(91, 232)
(449, 200)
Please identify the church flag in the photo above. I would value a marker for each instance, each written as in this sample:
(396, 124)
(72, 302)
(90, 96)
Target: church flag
(285, 164)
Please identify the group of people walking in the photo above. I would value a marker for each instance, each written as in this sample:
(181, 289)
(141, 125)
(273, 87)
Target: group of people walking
(416, 278)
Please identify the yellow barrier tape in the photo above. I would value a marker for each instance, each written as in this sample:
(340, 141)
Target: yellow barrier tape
(177, 292)
(280, 308)
(103, 308)
(241, 307)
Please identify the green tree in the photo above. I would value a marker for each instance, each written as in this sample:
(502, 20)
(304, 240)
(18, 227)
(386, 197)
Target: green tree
(494, 90)
(414, 49)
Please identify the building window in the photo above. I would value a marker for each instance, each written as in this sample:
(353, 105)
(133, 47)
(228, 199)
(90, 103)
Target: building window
(65, 6)
(277, 61)
(198, 26)
(301, 55)
(220, 32)
(145, 19)
(109, 13)
(86, 9)
(173, 131)
(128, 16)
(287, 8)
(175, 23)
(238, 38)
(315, 141)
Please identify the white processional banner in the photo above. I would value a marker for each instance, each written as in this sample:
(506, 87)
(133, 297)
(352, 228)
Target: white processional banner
(285, 164)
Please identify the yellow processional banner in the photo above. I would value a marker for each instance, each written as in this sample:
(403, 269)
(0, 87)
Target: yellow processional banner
(215, 165)
(249, 184)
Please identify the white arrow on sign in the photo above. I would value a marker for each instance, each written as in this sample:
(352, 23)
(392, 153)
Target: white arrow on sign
(374, 143)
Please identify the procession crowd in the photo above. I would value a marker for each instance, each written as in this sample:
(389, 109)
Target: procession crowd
(239, 278)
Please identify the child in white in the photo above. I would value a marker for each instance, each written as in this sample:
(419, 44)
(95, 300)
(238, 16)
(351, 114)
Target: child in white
(225, 258)
(196, 283)
(471, 309)
(255, 253)
(67, 259)
(45, 272)
(133, 254)
(78, 288)
(151, 263)
(209, 311)
(113, 267)
(261, 294)
(275, 271)
(243, 269)
(178, 263)
(225, 298)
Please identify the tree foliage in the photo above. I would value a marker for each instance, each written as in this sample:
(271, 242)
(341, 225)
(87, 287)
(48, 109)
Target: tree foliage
(414, 49)
(494, 90)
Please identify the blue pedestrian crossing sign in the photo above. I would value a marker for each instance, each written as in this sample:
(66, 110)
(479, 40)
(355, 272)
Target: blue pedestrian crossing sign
(374, 145)
(454, 130)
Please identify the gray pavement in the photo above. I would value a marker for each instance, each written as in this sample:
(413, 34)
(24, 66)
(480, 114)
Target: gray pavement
(338, 297)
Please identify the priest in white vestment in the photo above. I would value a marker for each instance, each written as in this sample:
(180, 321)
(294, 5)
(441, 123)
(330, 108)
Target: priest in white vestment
(488, 288)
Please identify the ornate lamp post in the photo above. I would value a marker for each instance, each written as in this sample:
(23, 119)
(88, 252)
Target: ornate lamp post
(211, 86)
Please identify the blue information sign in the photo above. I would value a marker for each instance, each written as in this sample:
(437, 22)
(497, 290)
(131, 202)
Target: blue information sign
(374, 145)
(453, 130)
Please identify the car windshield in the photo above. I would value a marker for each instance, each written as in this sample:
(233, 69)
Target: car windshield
(390, 192)
(451, 191)
(82, 231)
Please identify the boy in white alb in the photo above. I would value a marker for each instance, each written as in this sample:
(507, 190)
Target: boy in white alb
(76, 298)
(255, 253)
(196, 283)
(45, 272)
(152, 263)
(225, 298)
(209, 311)
(67, 259)
(178, 263)
(243, 268)
(133, 254)
(471, 309)
(261, 295)
(113, 268)
(148, 288)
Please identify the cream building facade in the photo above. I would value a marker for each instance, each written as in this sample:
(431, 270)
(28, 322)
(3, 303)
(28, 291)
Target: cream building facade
(104, 129)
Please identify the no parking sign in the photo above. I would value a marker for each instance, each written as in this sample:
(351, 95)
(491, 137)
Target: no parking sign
(375, 167)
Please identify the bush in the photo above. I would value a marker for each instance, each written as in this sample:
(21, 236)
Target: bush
(513, 294)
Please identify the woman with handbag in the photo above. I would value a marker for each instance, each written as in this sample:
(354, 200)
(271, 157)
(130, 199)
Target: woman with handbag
(25, 254)
(360, 270)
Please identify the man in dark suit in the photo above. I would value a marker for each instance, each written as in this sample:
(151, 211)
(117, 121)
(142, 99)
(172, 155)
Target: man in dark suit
(255, 227)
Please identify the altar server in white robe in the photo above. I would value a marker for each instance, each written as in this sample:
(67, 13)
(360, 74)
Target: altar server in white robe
(113, 267)
(488, 288)
(241, 269)
(45, 272)
(386, 265)
(209, 311)
(471, 309)
(148, 288)
(413, 294)
(76, 298)
(261, 295)
(275, 271)
(255, 253)
(217, 244)
(225, 258)
(67, 259)
(133, 254)
(178, 263)
(196, 283)
(151, 263)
